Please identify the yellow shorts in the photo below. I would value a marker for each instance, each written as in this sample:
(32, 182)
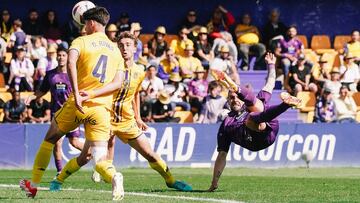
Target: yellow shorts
(96, 120)
(126, 130)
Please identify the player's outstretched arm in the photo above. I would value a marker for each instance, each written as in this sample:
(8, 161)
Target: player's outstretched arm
(218, 169)
(105, 90)
(224, 79)
(270, 59)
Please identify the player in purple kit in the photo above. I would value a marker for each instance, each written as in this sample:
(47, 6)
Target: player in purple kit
(57, 82)
(252, 122)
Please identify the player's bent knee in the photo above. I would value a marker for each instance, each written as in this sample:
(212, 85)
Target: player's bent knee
(98, 153)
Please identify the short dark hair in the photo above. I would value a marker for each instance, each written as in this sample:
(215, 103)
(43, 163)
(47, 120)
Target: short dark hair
(213, 84)
(353, 31)
(127, 34)
(61, 49)
(98, 14)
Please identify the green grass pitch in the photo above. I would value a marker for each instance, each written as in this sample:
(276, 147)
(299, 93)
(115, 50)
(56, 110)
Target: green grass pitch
(236, 184)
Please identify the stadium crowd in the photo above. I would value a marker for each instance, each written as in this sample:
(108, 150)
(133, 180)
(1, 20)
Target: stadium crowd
(177, 78)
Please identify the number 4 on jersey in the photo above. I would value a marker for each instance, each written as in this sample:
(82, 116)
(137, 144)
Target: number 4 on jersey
(100, 68)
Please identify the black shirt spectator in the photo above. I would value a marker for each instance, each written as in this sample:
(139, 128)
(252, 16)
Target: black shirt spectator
(32, 25)
(39, 111)
(273, 28)
(15, 109)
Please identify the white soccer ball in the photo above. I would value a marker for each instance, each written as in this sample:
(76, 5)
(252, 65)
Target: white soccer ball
(79, 9)
(307, 156)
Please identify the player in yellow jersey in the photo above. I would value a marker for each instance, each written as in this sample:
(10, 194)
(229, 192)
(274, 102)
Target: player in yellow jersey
(126, 120)
(93, 62)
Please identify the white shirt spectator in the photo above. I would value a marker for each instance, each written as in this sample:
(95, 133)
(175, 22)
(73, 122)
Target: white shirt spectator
(38, 53)
(45, 64)
(334, 86)
(3, 46)
(345, 108)
(152, 86)
(175, 94)
(19, 69)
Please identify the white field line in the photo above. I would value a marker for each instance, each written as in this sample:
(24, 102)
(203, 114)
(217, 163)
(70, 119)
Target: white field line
(136, 194)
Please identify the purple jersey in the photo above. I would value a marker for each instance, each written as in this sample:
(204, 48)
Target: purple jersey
(233, 129)
(291, 46)
(60, 88)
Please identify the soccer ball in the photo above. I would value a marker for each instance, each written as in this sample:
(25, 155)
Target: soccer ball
(79, 9)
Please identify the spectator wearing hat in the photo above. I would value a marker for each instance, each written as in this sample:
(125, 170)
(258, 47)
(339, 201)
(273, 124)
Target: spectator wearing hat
(162, 110)
(350, 74)
(152, 84)
(197, 89)
(177, 92)
(6, 25)
(21, 71)
(299, 77)
(32, 24)
(248, 40)
(15, 109)
(289, 49)
(321, 70)
(213, 104)
(223, 63)
(179, 45)
(226, 39)
(325, 108)
(157, 46)
(18, 37)
(353, 46)
(123, 24)
(111, 31)
(345, 106)
(135, 30)
(188, 64)
(333, 84)
(204, 48)
(45, 64)
(168, 65)
(221, 20)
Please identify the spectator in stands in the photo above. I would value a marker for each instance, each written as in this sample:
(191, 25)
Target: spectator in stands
(6, 25)
(168, 65)
(177, 91)
(135, 30)
(345, 106)
(145, 107)
(123, 24)
(157, 46)
(273, 30)
(248, 40)
(32, 24)
(179, 45)
(204, 48)
(18, 37)
(212, 105)
(72, 30)
(3, 46)
(221, 20)
(44, 65)
(51, 28)
(111, 31)
(325, 108)
(197, 89)
(226, 40)
(188, 64)
(15, 109)
(224, 63)
(350, 74)
(300, 75)
(162, 110)
(321, 71)
(151, 84)
(334, 83)
(21, 71)
(192, 25)
(37, 50)
(289, 49)
(353, 46)
(39, 111)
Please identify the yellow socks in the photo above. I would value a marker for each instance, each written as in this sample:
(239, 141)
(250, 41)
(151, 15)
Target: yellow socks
(161, 167)
(106, 170)
(71, 167)
(41, 162)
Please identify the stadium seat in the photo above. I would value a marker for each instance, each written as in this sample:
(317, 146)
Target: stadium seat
(5, 96)
(47, 97)
(169, 38)
(311, 56)
(185, 116)
(308, 104)
(2, 114)
(330, 57)
(3, 89)
(8, 57)
(304, 40)
(321, 44)
(144, 38)
(356, 97)
(25, 95)
(2, 80)
(340, 41)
